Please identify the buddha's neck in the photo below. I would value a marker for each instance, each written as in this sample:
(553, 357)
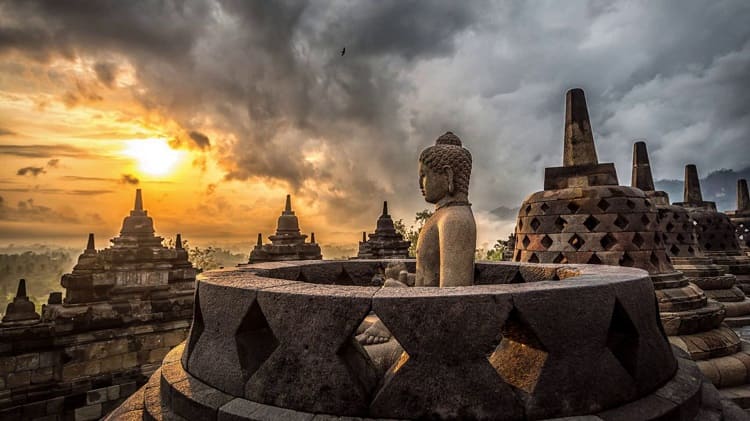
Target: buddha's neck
(458, 199)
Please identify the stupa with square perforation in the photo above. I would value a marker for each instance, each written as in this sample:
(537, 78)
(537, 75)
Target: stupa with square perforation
(288, 243)
(584, 216)
(740, 217)
(385, 242)
(716, 232)
(712, 347)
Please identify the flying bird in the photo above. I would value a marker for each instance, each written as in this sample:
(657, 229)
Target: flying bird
(343, 51)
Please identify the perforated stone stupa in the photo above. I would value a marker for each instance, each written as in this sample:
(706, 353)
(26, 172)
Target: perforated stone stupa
(21, 311)
(681, 242)
(584, 216)
(288, 243)
(740, 217)
(716, 232)
(385, 242)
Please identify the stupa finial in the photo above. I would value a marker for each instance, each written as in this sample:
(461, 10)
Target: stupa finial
(579, 148)
(364, 236)
(385, 208)
(312, 238)
(692, 192)
(178, 242)
(642, 177)
(90, 245)
(260, 239)
(138, 200)
(288, 206)
(743, 198)
(21, 292)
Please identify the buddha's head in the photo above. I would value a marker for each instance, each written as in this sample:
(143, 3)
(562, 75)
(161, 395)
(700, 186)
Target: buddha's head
(444, 169)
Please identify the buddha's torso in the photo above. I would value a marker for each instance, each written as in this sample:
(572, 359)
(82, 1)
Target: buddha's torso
(429, 244)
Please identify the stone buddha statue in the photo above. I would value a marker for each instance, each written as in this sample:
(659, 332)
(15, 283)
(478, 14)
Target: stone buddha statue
(446, 243)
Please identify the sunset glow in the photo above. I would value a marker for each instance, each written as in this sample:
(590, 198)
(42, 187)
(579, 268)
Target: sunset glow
(154, 156)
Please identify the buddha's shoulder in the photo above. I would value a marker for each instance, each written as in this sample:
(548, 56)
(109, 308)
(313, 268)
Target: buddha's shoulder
(456, 214)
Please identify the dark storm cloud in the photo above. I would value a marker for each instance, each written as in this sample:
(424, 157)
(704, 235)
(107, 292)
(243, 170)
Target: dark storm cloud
(42, 151)
(200, 139)
(129, 179)
(33, 171)
(106, 72)
(28, 211)
(269, 75)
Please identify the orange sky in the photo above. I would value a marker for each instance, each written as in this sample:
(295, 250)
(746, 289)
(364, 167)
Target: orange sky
(86, 146)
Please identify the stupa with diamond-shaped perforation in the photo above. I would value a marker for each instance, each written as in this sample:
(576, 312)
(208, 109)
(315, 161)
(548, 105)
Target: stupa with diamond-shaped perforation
(740, 217)
(288, 243)
(583, 215)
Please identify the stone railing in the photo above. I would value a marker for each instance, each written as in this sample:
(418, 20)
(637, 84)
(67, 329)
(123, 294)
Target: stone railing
(527, 341)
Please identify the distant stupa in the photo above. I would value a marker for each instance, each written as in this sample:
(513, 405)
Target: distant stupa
(385, 242)
(288, 243)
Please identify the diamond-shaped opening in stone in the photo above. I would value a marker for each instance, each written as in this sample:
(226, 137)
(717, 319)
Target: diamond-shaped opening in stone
(669, 227)
(255, 341)
(560, 258)
(686, 227)
(638, 240)
(630, 204)
(647, 203)
(645, 220)
(343, 278)
(608, 241)
(520, 356)
(626, 260)
(359, 362)
(691, 250)
(526, 241)
(621, 222)
(518, 256)
(653, 259)
(708, 246)
(560, 223)
(528, 208)
(622, 339)
(576, 241)
(603, 205)
(520, 224)
(591, 222)
(594, 260)
(196, 328)
(544, 207)
(546, 241)
(674, 250)
(533, 258)
(680, 238)
(535, 224)
(517, 278)
(573, 207)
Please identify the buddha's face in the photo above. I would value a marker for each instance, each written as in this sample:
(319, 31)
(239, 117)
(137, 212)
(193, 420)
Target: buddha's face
(434, 184)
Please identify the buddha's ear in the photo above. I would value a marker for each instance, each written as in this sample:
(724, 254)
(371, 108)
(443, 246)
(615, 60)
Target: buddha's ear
(449, 172)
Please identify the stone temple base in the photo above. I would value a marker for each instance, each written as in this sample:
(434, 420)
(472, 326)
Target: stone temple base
(173, 394)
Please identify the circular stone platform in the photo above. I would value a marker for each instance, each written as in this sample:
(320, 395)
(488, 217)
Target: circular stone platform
(276, 341)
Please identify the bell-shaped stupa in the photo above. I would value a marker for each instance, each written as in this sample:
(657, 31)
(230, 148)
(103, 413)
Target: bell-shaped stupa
(584, 216)
(21, 311)
(288, 243)
(681, 243)
(385, 242)
(740, 217)
(716, 232)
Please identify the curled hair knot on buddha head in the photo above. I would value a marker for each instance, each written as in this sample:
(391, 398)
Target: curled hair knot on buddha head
(448, 151)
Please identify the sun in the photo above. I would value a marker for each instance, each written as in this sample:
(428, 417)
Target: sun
(154, 156)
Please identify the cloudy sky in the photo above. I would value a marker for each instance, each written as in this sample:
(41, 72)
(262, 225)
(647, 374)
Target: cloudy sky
(217, 109)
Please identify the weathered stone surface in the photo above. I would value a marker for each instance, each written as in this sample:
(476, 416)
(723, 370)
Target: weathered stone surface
(311, 368)
(243, 410)
(441, 357)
